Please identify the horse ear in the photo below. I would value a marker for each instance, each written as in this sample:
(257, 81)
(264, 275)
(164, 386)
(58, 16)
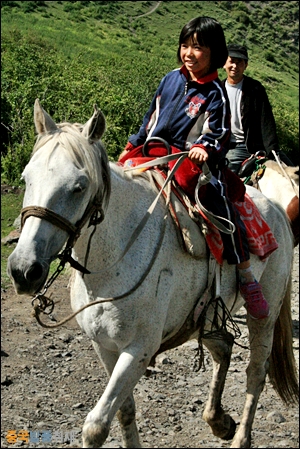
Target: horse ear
(43, 122)
(95, 127)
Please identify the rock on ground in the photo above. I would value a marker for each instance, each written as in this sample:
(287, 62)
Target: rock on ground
(51, 379)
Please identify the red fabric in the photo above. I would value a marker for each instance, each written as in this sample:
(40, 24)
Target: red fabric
(260, 237)
(261, 240)
(133, 153)
(188, 173)
(129, 147)
(153, 151)
(205, 79)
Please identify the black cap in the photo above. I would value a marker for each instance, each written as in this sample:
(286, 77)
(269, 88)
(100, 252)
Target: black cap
(237, 51)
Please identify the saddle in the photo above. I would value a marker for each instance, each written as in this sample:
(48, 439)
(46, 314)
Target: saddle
(188, 222)
(252, 169)
(192, 224)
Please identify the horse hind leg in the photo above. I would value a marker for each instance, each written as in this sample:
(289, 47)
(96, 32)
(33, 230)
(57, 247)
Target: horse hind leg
(260, 348)
(264, 351)
(221, 423)
(126, 417)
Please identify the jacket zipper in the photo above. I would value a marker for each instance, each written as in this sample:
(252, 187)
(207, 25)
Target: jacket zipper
(176, 106)
(186, 87)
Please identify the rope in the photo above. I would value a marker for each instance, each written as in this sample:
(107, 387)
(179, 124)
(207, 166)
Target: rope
(51, 216)
(37, 309)
(204, 178)
(147, 215)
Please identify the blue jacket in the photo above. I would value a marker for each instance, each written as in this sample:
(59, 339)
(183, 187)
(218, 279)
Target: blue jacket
(187, 113)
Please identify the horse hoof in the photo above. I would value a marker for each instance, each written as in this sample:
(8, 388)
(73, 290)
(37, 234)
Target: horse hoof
(231, 431)
(94, 435)
(226, 429)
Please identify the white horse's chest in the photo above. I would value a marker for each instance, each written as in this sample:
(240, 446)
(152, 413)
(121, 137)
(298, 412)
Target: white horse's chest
(102, 323)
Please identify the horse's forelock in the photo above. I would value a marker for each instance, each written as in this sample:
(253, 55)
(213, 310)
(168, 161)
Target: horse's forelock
(91, 157)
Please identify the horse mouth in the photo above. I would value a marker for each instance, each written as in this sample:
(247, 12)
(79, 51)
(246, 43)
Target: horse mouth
(25, 288)
(29, 280)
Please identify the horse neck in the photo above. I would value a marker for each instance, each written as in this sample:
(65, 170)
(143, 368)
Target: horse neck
(128, 203)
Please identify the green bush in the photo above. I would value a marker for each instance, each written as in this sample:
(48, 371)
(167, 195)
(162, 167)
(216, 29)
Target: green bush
(68, 90)
(29, 6)
(269, 55)
(118, 63)
(9, 4)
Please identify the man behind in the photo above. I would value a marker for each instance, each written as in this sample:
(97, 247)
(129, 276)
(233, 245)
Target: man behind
(253, 125)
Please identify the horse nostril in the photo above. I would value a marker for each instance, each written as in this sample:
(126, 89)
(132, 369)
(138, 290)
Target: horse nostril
(34, 273)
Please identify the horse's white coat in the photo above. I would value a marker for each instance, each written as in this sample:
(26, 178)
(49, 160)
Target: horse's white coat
(278, 187)
(128, 332)
(280, 184)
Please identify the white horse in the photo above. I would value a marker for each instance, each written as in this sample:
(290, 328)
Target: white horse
(280, 183)
(149, 287)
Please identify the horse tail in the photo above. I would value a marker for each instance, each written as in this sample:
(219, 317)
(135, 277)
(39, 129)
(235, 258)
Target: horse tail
(282, 369)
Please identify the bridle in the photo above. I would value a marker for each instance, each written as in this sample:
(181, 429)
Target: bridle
(40, 302)
(94, 213)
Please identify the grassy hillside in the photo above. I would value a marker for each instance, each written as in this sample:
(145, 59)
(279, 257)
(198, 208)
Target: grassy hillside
(73, 54)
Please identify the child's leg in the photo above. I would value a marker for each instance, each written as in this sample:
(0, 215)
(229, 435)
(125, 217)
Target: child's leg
(236, 250)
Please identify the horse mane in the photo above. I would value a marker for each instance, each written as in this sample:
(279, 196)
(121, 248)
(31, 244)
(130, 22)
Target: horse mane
(88, 156)
(132, 175)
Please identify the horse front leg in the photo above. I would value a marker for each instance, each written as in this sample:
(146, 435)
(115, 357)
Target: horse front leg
(117, 397)
(126, 413)
(221, 423)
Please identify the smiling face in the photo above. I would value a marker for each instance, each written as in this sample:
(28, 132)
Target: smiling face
(235, 68)
(196, 58)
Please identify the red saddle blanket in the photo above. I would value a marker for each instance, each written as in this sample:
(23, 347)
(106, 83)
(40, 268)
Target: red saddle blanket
(260, 237)
(261, 240)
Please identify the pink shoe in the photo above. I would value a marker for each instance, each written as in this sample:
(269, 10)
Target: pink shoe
(256, 304)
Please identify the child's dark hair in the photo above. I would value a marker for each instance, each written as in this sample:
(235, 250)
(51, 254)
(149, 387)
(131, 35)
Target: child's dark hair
(207, 32)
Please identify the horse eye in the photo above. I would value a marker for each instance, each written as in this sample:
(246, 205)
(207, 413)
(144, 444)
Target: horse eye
(79, 187)
(81, 184)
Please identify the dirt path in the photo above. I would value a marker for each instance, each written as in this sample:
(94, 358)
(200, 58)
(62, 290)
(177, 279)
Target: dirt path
(51, 379)
(149, 12)
(131, 19)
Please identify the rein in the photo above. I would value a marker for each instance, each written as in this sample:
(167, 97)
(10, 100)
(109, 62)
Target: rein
(40, 302)
(45, 302)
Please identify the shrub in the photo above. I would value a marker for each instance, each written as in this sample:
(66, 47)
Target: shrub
(9, 4)
(269, 56)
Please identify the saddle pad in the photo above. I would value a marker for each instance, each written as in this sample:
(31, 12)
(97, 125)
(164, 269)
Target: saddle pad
(260, 237)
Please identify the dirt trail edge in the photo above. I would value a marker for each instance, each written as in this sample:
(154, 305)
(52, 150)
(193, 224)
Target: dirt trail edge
(51, 379)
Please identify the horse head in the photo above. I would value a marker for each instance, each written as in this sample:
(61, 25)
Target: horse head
(67, 178)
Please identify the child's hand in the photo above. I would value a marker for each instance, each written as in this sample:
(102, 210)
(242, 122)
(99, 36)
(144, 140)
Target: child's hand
(198, 155)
